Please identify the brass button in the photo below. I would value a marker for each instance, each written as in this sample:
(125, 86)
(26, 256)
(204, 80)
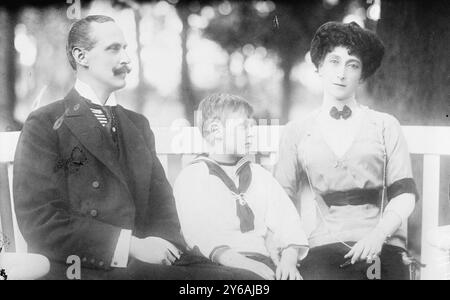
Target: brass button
(84, 259)
(76, 107)
(113, 129)
(96, 184)
(94, 213)
(92, 261)
(101, 264)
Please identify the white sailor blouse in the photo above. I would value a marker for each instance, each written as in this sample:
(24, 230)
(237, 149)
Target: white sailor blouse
(214, 216)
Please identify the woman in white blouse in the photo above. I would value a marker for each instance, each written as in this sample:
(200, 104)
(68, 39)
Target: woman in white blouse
(347, 156)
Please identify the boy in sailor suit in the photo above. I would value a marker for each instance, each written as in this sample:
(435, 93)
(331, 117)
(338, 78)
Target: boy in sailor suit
(228, 206)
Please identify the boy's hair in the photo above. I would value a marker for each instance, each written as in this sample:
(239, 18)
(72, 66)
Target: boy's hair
(217, 107)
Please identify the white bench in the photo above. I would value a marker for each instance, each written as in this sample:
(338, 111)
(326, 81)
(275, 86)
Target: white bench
(178, 145)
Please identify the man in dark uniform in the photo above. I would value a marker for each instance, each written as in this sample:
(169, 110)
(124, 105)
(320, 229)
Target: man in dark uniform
(87, 181)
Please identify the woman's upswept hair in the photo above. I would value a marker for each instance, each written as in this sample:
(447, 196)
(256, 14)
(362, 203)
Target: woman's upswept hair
(360, 42)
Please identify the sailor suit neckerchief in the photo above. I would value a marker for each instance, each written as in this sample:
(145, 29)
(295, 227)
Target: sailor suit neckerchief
(244, 173)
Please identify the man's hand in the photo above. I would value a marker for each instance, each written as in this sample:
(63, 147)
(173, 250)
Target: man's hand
(154, 250)
(367, 248)
(287, 266)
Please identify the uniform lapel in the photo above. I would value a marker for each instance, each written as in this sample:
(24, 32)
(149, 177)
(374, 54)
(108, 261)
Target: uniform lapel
(139, 158)
(90, 133)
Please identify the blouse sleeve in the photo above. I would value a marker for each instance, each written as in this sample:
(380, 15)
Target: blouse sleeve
(399, 179)
(288, 169)
(283, 220)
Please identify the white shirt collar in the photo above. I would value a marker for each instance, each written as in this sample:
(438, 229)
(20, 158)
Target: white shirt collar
(87, 92)
(329, 103)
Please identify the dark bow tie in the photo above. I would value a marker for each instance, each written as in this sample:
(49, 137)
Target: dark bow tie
(345, 113)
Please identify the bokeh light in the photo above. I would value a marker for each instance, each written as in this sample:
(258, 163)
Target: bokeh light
(25, 45)
(374, 11)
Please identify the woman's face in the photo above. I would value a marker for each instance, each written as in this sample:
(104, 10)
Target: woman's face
(340, 73)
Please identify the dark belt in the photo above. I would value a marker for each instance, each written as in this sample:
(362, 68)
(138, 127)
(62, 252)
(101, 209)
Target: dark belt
(352, 197)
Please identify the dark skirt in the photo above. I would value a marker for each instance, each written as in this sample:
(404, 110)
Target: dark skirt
(324, 263)
(189, 267)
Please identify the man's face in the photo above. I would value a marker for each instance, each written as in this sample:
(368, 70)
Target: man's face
(341, 73)
(108, 62)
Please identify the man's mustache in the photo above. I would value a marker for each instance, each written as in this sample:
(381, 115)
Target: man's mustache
(122, 69)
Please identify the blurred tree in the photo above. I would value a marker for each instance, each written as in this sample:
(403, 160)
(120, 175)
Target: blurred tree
(286, 30)
(187, 94)
(142, 87)
(415, 72)
(50, 72)
(8, 21)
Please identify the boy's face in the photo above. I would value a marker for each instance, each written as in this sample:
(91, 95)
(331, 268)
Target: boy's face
(234, 135)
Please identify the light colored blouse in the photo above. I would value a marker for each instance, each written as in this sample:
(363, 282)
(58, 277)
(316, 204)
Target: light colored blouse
(328, 155)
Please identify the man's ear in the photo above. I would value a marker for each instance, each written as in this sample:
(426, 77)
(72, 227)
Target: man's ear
(80, 56)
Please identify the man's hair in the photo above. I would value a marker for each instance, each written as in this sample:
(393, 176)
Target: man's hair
(217, 107)
(360, 42)
(80, 35)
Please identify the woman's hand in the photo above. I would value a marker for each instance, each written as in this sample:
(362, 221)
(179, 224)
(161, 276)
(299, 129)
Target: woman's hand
(367, 248)
(287, 266)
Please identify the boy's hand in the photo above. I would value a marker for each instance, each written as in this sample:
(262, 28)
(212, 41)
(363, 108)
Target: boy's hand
(287, 267)
(232, 259)
(154, 250)
(259, 268)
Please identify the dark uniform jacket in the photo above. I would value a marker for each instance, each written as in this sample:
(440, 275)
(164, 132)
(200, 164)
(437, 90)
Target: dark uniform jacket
(73, 195)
